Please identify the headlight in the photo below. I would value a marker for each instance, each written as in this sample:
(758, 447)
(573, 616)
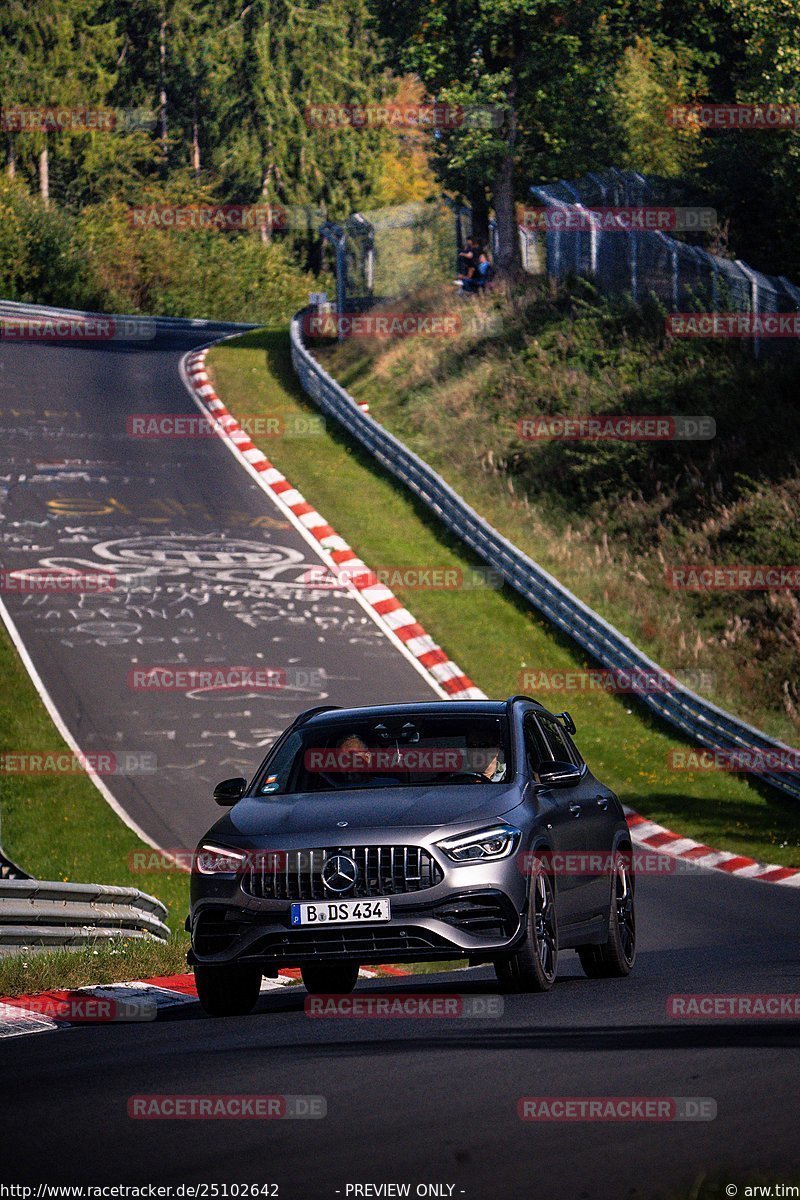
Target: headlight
(218, 860)
(497, 842)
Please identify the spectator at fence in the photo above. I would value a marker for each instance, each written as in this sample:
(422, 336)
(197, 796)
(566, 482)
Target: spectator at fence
(484, 272)
(480, 276)
(468, 260)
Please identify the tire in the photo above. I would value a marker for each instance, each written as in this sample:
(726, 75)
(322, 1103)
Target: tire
(534, 966)
(614, 959)
(336, 979)
(227, 991)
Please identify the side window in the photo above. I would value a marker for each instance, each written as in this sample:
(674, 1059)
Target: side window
(556, 740)
(535, 746)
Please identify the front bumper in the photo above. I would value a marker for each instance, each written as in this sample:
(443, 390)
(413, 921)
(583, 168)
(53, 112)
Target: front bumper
(438, 924)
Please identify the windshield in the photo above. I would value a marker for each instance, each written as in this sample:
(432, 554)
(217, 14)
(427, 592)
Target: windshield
(406, 751)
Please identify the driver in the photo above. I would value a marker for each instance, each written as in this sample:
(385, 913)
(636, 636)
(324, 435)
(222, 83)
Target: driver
(354, 749)
(485, 760)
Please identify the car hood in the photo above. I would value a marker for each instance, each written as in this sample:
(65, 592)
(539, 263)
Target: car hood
(373, 809)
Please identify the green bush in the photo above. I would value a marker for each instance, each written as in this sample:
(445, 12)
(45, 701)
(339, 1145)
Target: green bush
(97, 260)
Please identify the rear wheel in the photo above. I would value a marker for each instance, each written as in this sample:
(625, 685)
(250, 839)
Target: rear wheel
(330, 978)
(614, 959)
(227, 991)
(533, 967)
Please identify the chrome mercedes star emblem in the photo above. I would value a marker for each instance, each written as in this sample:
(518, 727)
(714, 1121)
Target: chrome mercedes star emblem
(342, 824)
(339, 873)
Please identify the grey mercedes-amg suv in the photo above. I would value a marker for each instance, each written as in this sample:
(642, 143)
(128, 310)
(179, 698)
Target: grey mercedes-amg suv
(412, 832)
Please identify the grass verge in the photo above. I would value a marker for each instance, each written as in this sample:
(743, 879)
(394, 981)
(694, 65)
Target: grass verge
(488, 632)
(22, 974)
(60, 827)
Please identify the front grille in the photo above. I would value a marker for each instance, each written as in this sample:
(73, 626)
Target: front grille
(381, 871)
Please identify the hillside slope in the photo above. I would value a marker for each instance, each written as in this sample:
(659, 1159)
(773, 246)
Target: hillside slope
(611, 518)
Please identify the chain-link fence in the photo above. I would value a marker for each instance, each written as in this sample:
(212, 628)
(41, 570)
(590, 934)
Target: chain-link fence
(648, 263)
(389, 252)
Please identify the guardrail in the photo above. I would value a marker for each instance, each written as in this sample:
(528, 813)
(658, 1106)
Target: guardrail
(38, 913)
(120, 327)
(697, 718)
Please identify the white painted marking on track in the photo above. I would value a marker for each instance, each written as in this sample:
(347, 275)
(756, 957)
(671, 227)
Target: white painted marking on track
(320, 548)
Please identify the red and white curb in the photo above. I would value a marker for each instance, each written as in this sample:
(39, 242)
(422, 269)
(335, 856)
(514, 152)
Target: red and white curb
(50, 1011)
(395, 620)
(655, 837)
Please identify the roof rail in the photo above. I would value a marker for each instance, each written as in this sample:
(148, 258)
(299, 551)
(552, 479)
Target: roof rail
(512, 700)
(313, 712)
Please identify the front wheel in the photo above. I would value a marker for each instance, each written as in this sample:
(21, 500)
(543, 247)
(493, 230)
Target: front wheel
(227, 991)
(336, 979)
(533, 967)
(614, 959)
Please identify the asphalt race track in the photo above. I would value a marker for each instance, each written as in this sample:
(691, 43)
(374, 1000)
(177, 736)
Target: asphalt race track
(207, 572)
(418, 1101)
(435, 1100)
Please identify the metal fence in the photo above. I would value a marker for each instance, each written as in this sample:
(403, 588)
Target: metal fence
(389, 252)
(650, 264)
(697, 718)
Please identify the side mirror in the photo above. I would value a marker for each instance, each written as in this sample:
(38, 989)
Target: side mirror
(558, 774)
(229, 791)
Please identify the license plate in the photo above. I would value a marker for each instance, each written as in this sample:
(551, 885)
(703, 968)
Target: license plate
(341, 912)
